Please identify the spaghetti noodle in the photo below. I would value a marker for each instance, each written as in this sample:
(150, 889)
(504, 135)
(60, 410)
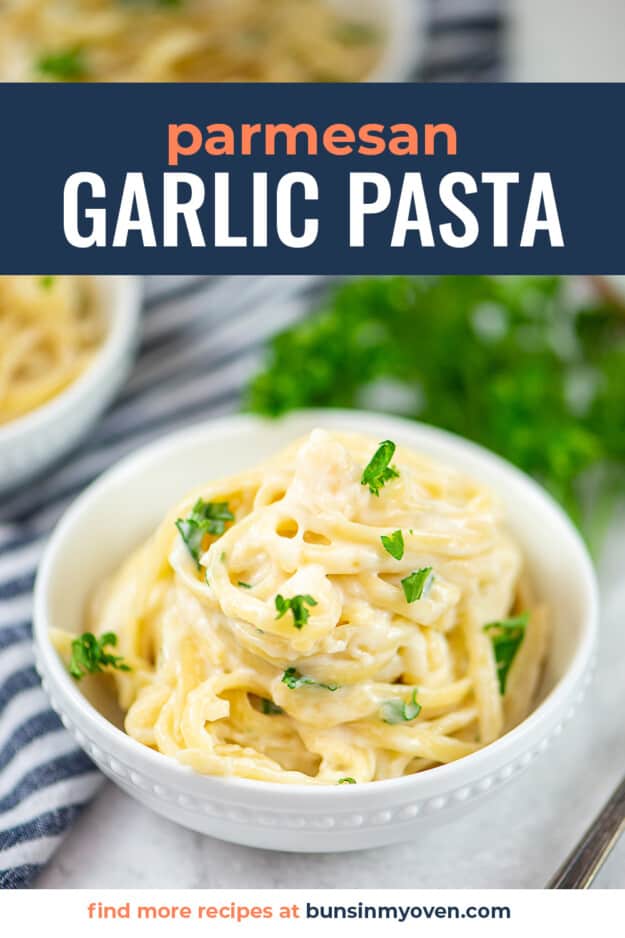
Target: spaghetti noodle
(50, 328)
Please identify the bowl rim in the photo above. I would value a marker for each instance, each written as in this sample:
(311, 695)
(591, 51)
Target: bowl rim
(450, 775)
(125, 311)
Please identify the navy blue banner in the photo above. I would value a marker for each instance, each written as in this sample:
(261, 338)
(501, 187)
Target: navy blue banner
(312, 178)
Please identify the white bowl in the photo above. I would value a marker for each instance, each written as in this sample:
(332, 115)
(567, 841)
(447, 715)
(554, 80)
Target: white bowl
(31, 443)
(142, 487)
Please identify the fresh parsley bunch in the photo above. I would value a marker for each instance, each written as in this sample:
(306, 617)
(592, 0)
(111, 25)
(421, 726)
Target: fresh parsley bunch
(514, 363)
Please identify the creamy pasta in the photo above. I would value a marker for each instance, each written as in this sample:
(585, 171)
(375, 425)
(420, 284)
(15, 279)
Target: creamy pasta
(50, 328)
(305, 629)
(183, 40)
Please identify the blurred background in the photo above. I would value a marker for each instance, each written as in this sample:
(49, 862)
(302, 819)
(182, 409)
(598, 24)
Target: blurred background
(531, 367)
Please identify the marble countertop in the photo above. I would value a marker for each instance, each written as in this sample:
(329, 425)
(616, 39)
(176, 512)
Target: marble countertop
(516, 839)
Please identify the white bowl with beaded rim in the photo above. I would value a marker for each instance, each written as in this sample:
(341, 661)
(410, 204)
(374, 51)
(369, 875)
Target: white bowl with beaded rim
(142, 487)
(31, 443)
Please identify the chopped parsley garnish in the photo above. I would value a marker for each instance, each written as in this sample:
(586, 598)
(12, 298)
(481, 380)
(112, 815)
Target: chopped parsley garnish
(297, 605)
(397, 711)
(417, 584)
(379, 471)
(155, 3)
(89, 655)
(506, 637)
(269, 708)
(67, 65)
(356, 34)
(393, 544)
(293, 679)
(46, 283)
(206, 518)
(348, 780)
(245, 586)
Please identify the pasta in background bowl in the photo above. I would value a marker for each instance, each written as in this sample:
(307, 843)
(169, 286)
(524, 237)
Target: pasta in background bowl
(209, 40)
(361, 726)
(66, 345)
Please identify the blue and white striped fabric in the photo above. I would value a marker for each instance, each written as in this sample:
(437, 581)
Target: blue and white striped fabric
(202, 339)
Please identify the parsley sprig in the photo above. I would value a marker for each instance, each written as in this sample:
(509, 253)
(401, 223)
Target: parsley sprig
(89, 655)
(378, 470)
(297, 605)
(398, 711)
(417, 584)
(506, 636)
(293, 680)
(65, 65)
(393, 544)
(205, 518)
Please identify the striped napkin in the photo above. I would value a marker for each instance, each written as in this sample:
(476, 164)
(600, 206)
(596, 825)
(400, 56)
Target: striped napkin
(202, 339)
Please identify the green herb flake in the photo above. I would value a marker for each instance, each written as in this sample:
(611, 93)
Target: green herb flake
(46, 283)
(348, 780)
(269, 708)
(67, 65)
(293, 680)
(393, 544)
(379, 471)
(398, 711)
(205, 518)
(90, 657)
(356, 34)
(297, 605)
(245, 586)
(417, 584)
(506, 636)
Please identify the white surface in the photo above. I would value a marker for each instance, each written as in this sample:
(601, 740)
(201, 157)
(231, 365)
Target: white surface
(517, 840)
(567, 40)
(30, 443)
